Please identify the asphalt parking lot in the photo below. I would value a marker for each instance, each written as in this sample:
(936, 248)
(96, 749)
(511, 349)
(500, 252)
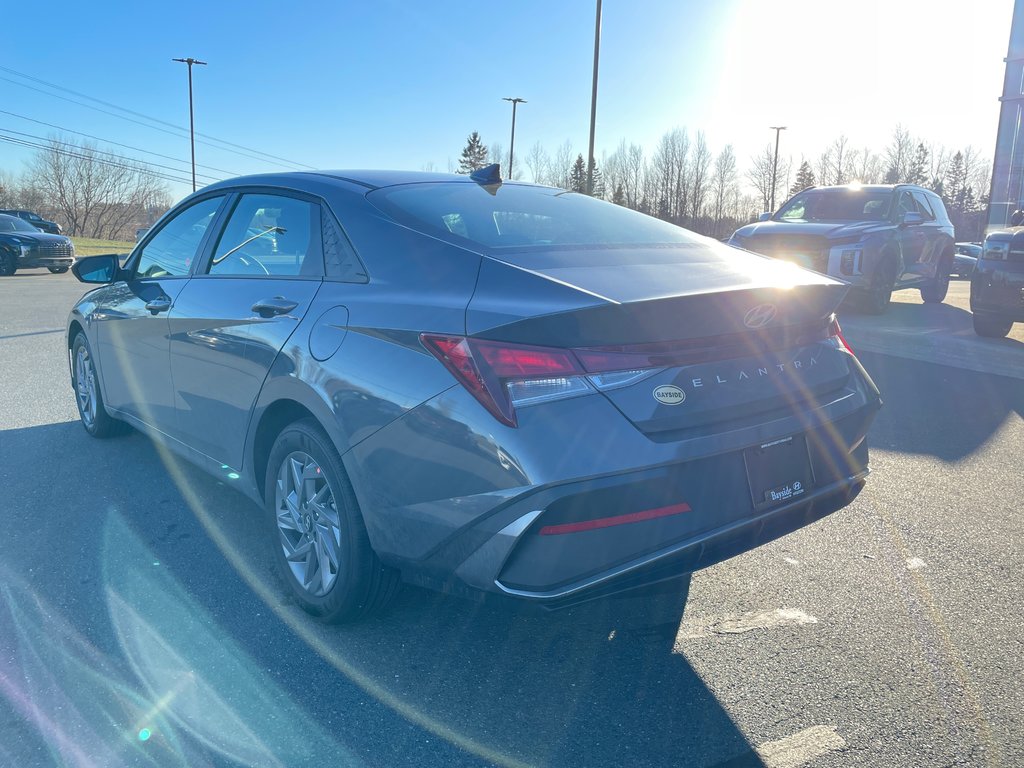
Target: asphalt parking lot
(141, 623)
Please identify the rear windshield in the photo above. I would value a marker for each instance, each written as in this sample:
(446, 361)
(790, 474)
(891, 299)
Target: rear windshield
(519, 216)
(838, 205)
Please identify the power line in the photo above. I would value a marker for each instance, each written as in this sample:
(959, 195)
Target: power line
(102, 152)
(180, 133)
(145, 116)
(65, 153)
(114, 143)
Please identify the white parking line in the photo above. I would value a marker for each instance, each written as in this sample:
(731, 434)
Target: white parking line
(800, 748)
(692, 628)
(915, 563)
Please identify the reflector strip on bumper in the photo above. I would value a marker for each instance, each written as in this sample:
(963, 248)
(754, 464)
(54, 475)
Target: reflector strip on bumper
(608, 522)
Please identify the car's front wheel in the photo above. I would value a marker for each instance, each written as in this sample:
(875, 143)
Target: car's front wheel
(58, 270)
(876, 298)
(8, 264)
(320, 542)
(88, 398)
(991, 326)
(935, 290)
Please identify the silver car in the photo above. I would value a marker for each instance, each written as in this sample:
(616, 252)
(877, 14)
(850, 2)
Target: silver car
(489, 388)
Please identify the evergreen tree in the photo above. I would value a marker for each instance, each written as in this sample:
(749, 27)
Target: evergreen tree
(578, 175)
(619, 195)
(474, 155)
(917, 173)
(955, 183)
(596, 180)
(804, 178)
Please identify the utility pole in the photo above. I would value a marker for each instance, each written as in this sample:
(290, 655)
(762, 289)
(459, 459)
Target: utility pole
(593, 100)
(775, 163)
(191, 119)
(512, 144)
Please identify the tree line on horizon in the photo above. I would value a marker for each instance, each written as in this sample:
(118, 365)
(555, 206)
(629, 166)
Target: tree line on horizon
(684, 182)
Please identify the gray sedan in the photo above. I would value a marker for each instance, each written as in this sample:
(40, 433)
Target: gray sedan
(490, 388)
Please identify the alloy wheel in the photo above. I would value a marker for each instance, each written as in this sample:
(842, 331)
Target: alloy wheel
(85, 386)
(308, 523)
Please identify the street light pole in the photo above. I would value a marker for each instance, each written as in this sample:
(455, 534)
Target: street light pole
(512, 144)
(593, 100)
(191, 119)
(775, 163)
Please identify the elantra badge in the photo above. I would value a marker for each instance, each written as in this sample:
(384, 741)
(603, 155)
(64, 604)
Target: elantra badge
(759, 316)
(666, 394)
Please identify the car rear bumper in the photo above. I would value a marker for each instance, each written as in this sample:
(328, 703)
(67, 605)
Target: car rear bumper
(997, 288)
(558, 544)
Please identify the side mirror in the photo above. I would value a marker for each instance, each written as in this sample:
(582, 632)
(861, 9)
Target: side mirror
(911, 218)
(97, 269)
(765, 216)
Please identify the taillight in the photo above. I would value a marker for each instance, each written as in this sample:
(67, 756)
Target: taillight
(501, 376)
(836, 333)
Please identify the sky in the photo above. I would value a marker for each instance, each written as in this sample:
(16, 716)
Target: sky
(393, 84)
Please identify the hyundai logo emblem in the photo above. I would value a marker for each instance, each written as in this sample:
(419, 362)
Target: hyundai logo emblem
(759, 316)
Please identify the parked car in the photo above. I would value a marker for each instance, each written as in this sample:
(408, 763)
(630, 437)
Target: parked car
(965, 258)
(877, 238)
(997, 284)
(487, 388)
(22, 246)
(37, 221)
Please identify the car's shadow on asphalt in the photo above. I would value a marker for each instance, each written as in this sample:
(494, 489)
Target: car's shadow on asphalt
(435, 680)
(938, 410)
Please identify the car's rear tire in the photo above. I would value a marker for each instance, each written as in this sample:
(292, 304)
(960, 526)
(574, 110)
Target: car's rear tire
(321, 547)
(8, 265)
(58, 270)
(88, 398)
(935, 290)
(991, 326)
(875, 300)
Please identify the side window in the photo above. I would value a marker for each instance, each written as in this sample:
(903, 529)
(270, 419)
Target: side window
(924, 205)
(905, 205)
(172, 249)
(937, 207)
(270, 235)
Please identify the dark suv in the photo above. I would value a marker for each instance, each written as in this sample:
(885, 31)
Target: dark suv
(997, 284)
(877, 238)
(22, 246)
(37, 221)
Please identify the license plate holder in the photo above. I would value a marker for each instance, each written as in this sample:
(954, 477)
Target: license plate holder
(778, 471)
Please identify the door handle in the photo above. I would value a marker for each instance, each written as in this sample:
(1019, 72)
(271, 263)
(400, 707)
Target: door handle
(278, 305)
(158, 305)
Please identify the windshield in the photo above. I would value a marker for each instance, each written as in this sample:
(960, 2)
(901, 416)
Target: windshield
(14, 224)
(838, 205)
(517, 216)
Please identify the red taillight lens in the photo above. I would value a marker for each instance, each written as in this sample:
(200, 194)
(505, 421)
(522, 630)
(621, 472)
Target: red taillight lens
(835, 332)
(486, 367)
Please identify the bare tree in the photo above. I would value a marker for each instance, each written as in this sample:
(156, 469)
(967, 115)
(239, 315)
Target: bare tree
(700, 168)
(841, 161)
(759, 174)
(98, 194)
(723, 185)
(560, 169)
(537, 161)
(899, 156)
(824, 170)
(495, 154)
(669, 173)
